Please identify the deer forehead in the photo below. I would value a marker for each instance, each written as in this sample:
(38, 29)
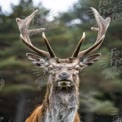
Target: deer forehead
(64, 63)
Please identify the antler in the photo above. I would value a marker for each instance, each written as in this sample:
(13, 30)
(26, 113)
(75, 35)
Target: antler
(23, 25)
(102, 28)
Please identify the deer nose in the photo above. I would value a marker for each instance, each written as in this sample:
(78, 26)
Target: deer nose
(64, 76)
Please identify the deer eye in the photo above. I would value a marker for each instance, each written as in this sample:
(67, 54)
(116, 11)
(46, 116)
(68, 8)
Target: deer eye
(77, 67)
(58, 68)
(50, 67)
(70, 68)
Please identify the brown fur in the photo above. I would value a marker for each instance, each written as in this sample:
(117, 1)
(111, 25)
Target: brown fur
(38, 112)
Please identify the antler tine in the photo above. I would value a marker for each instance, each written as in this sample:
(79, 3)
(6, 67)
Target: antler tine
(23, 25)
(102, 24)
(48, 45)
(102, 28)
(75, 53)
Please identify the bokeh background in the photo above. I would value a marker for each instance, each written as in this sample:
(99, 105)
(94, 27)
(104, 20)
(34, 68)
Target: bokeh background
(22, 85)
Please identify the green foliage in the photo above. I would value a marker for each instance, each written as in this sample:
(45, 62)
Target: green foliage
(90, 103)
(9, 89)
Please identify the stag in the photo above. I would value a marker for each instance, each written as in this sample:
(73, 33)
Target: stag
(61, 99)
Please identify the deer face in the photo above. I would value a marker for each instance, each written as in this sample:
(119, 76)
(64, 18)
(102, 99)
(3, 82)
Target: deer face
(63, 72)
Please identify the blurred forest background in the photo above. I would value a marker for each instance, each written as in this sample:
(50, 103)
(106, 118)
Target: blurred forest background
(22, 85)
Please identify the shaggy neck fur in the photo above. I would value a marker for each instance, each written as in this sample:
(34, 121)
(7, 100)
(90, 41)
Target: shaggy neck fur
(60, 104)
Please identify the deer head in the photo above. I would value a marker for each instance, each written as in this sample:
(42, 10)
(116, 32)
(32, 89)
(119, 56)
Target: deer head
(63, 73)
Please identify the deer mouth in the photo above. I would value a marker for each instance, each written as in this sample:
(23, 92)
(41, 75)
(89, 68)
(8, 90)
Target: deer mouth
(64, 83)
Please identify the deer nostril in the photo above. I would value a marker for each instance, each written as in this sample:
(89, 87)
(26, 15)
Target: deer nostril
(64, 76)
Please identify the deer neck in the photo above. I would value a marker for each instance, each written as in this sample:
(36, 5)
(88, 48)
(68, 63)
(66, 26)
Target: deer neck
(60, 105)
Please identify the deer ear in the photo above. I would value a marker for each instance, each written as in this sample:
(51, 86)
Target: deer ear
(91, 59)
(37, 60)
